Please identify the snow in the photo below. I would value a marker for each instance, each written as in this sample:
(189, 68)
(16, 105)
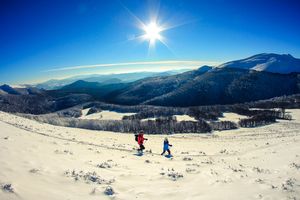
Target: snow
(43, 161)
(185, 118)
(275, 63)
(104, 115)
(233, 117)
(179, 118)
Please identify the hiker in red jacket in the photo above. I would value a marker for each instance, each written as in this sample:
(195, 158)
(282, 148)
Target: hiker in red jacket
(141, 141)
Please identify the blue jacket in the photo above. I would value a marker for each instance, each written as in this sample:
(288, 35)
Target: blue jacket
(166, 145)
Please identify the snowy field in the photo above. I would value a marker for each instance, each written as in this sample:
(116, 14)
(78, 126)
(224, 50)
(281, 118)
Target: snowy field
(47, 162)
(233, 117)
(179, 118)
(104, 115)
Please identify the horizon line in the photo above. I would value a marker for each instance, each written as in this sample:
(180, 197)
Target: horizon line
(169, 62)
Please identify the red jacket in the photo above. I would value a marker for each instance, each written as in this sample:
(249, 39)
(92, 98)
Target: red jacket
(141, 139)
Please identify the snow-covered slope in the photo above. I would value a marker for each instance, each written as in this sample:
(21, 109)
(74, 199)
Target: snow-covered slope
(269, 62)
(47, 162)
(2, 92)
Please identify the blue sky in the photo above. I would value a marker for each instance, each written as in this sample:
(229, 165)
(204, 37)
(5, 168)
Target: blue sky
(42, 39)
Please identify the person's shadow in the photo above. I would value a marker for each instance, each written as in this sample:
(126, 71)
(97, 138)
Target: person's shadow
(139, 154)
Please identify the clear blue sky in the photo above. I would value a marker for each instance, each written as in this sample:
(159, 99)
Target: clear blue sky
(38, 36)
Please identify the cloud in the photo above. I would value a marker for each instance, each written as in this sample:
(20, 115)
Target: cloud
(183, 63)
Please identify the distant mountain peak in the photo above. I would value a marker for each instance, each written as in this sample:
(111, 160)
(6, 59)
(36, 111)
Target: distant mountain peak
(205, 68)
(269, 62)
(82, 84)
(5, 86)
(9, 90)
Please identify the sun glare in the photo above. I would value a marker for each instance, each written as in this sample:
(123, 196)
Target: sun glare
(152, 31)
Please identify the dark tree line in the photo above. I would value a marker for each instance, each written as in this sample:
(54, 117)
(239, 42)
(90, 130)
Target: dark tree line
(287, 102)
(253, 112)
(262, 117)
(165, 122)
(159, 126)
(223, 125)
(155, 113)
(257, 120)
(71, 112)
(208, 113)
(93, 110)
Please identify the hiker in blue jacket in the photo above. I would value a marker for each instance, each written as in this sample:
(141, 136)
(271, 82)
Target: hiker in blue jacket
(166, 147)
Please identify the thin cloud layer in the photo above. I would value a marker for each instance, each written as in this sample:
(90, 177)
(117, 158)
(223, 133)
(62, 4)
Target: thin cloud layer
(183, 63)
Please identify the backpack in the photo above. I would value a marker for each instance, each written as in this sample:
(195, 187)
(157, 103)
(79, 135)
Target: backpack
(136, 137)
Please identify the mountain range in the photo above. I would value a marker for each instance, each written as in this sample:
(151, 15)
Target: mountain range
(268, 62)
(104, 78)
(6, 89)
(208, 85)
(218, 86)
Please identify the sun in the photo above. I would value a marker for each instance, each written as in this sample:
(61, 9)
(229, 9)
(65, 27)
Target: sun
(152, 32)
